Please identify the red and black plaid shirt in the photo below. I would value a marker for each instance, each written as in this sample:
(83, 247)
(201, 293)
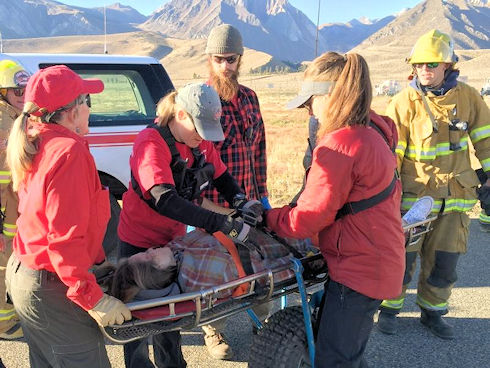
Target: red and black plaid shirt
(243, 150)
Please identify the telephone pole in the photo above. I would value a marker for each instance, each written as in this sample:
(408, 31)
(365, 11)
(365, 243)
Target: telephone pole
(317, 25)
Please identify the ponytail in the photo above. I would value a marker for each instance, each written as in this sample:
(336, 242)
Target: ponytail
(350, 101)
(22, 145)
(166, 109)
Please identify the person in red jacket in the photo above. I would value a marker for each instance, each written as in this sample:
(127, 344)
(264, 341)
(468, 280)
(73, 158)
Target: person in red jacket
(362, 242)
(63, 213)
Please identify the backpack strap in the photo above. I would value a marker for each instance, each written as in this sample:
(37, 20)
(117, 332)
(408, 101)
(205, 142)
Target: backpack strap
(351, 208)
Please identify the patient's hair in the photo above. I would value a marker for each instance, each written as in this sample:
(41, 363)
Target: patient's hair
(131, 277)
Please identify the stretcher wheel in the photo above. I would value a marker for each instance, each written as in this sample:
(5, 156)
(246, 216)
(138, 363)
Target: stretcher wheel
(281, 343)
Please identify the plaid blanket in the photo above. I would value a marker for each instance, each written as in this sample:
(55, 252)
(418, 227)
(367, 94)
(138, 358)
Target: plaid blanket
(204, 262)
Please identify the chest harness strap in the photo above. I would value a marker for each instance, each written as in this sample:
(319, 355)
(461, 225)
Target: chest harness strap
(351, 208)
(189, 182)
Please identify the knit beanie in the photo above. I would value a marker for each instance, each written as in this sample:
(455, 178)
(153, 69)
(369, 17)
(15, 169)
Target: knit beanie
(224, 39)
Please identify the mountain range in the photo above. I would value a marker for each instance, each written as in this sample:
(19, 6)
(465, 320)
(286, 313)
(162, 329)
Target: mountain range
(271, 26)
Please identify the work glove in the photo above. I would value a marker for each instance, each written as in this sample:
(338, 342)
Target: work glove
(110, 311)
(235, 228)
(484, 197)
(251, 211)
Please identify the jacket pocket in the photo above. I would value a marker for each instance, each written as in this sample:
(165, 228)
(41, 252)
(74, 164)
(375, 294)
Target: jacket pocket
(415, 185)
(467, 179)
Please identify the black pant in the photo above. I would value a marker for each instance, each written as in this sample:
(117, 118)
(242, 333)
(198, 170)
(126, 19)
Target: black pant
(166, 347)
(345, 325)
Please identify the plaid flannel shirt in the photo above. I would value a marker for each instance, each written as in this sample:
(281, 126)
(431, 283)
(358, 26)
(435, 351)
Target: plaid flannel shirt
(243, 151)
(204, 262)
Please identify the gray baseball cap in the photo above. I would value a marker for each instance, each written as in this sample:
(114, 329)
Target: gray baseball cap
(308, 89)
(202, 103)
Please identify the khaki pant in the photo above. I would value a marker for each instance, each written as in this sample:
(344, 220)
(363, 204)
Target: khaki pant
(8, 317)
(439, 251)
(58, 332)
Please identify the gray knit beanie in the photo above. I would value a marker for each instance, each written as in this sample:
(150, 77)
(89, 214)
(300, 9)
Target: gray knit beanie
(224, 39)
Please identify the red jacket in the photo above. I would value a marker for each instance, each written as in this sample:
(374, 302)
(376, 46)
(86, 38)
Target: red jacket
(63, 214)
(364, 251)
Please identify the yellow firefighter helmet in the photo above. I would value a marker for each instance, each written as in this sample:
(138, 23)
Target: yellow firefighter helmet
(12, 75)
(433, 47)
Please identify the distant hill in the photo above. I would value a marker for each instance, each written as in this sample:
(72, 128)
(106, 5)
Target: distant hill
(467, 21)
(45, 18)
(183, 59)
(344, 36)
(271, 26)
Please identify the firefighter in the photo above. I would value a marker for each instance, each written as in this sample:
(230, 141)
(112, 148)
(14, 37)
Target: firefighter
(13, 80)
(437, 116)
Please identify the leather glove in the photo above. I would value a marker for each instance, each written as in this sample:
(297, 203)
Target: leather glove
(110, 311)
(235, 228)
(251, 211)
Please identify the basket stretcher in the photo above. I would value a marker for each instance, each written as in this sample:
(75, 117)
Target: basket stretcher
(189, 310)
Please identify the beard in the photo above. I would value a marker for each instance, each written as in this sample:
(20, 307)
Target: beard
(225, 84)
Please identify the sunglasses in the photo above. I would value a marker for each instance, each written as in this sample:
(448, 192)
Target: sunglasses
(429, 65)
(85, 99)
(229, 59)
(19, 92)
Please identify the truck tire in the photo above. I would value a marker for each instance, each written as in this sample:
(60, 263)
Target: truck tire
(282, 342)
(111, 240)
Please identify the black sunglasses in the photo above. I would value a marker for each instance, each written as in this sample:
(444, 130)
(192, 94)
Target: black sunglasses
(229, 59)
(85, 99)
(19, 92)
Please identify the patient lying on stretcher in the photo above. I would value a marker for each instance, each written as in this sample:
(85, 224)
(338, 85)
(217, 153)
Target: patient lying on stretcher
(195, 262)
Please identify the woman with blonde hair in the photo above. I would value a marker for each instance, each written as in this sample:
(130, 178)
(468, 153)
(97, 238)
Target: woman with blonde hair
(352, 201)
(172, 163)
(63, 213)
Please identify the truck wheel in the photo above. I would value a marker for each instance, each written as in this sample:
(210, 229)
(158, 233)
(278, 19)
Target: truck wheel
(111, 240)
(282, 342)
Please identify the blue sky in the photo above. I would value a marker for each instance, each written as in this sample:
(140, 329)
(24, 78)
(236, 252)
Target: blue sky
(330, 10)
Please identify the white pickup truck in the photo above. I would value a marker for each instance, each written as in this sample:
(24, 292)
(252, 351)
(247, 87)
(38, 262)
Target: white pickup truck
(133, 86)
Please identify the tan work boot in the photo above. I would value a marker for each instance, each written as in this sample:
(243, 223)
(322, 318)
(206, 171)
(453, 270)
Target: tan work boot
(217, 346)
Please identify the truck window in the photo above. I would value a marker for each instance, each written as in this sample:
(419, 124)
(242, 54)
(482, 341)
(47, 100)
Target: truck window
(131, 91)
(125, 98)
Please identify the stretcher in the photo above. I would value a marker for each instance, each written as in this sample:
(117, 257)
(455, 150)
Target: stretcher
(189, 310)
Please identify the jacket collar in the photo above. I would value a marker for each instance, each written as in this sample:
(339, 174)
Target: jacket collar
(450, 82)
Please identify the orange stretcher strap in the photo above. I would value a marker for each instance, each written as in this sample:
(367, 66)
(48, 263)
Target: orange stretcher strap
(231, 248)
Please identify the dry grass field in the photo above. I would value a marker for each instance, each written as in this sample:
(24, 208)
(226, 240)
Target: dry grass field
(185, 62)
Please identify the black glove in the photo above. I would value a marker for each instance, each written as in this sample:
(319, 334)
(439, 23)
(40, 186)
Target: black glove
(235, 228)
(484, 197)
(251, 211)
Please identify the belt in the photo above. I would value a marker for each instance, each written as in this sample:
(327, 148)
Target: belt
(44, 275)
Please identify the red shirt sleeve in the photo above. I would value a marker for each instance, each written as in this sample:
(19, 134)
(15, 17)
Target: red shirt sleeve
(150, 162)
(327, 189)
(68, 211)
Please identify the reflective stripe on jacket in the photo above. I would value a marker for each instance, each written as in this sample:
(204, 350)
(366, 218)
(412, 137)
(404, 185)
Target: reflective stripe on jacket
(426, 163)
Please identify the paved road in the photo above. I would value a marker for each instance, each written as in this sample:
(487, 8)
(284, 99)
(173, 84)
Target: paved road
(413, 346)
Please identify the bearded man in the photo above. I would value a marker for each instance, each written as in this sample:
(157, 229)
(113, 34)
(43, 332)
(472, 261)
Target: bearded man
(243, 149)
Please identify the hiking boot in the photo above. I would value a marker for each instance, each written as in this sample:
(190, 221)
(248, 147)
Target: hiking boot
(387, 323)
(434, 322)
(14, 333)
(217, 346)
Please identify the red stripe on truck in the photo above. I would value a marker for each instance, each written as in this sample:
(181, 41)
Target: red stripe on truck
(116, 138)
